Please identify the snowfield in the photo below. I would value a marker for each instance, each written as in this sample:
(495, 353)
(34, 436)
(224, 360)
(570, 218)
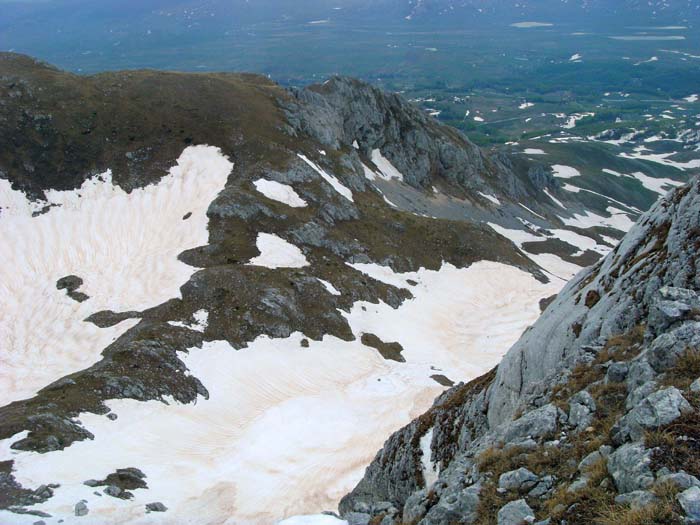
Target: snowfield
(288, 430)
(123, 246)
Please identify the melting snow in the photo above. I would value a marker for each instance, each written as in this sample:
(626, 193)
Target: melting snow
(275, 252)
(657, 185)
(490, 198)
(553, 264)
(201, 321)
(331, 289)
(565, 172)
(123, 246)
(430, 471)
(660, 158)
(280, 192)
(556, 201)
(316, 519)
(534, 151)
(330, 179)
(618, 220)
(387, 171)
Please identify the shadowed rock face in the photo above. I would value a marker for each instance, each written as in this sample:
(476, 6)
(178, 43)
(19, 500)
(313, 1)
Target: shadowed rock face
(648, 285)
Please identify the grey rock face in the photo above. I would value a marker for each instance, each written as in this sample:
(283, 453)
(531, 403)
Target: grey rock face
(695, 385)
(630, 468)
(658, 409)
(572, 331)
(516, 513)
(558, 339)
(689, 500)
(521, 479)
(343, 112)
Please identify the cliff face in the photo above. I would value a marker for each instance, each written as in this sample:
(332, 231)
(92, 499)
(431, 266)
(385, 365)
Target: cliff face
(591, 413)
(344, 111)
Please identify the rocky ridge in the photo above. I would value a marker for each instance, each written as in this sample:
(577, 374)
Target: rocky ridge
(593, 416)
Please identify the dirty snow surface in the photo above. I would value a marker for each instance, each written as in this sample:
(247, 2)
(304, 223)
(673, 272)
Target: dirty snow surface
(284, 430)
(123, 246)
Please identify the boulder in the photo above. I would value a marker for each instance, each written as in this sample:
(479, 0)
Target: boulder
(657, 409)
(520, 479)
(582, 405)
(689, 501)
(695, 385)
(667, 347)
(636, 499)
(156, 507)
(454, 507)
(81, 508)
(629, 466)
(617, 373)
(516, 513)
(680, 479)
(534, 424)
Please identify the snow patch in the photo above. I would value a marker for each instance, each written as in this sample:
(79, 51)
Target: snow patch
(330, 179)
(565, 172)
(430, 471)
(490, 198)
(657, 185)
(201, 321)
(331, 289)
(387, 171)
(275, 252)
(280, 192)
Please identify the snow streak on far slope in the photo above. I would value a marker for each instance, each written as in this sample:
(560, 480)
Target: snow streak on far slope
(330, 179)
(551, 263)
(657, 185)
(123, 246)
(387, 171)
(289, 430)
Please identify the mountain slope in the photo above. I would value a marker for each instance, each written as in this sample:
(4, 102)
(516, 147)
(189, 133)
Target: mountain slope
(591, 411)
(189, 264)
(210, 278)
